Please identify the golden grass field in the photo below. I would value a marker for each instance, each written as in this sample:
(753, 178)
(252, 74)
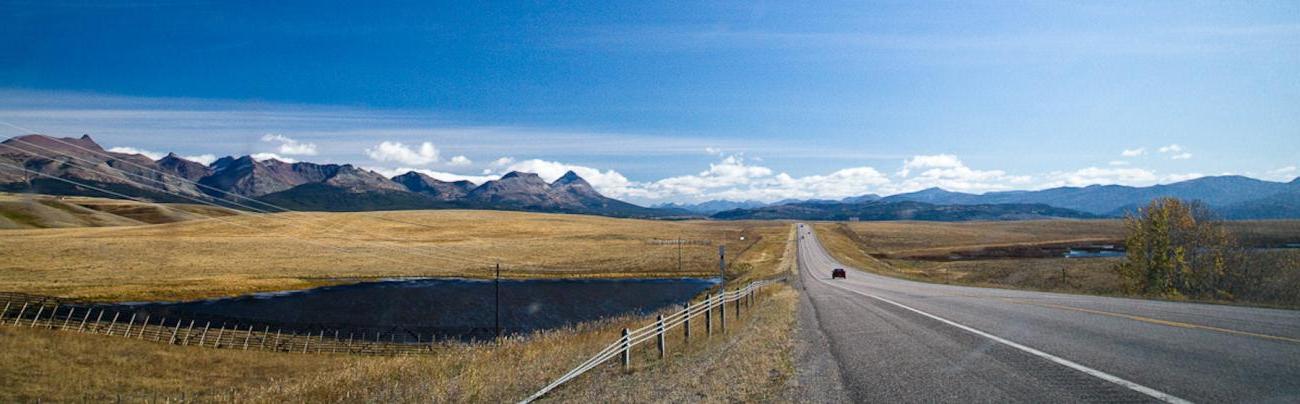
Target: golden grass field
(64, 366)
(232, 255)
(754, 365)
(25, 211)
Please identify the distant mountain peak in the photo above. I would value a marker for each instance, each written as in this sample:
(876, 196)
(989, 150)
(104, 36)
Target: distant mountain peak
(571, 178)
(519, 174)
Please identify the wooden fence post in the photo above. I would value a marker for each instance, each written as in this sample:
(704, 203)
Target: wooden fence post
(335, 348)
(276, 346)
(722, 311)
(66, 320)
(38, 316)
(220, 334)
(20, 314)
(189, 332)
(175, 331)
(627, 352)
(204, 337)
(112, 323)
(3, 313)
(83, 320)
(266, 333)
(162, 328)
(660, 328)
(306, 341)
(97, 320)
(686, 324)
(320, 340)
(708, 315)
(54, 314)
(129, 325)
(143, 326)
(739, 298)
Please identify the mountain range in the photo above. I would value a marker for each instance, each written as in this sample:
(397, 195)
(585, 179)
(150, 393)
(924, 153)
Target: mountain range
(1230, 196)
(82, 163)
(903, 210)
(1233, 196)
(72, 166)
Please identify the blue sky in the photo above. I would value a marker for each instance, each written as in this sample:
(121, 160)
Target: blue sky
(680, 101)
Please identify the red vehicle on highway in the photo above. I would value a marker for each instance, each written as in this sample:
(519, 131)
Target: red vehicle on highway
(838, 273)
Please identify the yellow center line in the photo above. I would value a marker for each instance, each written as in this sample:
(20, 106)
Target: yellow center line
(1170, 323)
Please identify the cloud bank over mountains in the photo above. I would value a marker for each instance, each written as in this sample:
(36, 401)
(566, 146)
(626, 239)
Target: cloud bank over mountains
(643, 168)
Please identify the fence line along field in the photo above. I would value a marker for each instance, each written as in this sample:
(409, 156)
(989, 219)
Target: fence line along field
(234, 255)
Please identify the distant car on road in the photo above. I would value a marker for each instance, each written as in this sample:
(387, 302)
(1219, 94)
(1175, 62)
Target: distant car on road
(838, 273)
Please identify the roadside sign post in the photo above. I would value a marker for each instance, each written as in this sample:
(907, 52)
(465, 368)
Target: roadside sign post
(498, 302)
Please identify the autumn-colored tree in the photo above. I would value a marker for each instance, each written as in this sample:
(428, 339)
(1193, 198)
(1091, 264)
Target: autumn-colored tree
(1177, 249)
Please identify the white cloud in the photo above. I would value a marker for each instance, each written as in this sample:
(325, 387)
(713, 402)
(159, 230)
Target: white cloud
(438, 175)
(735, 179)
(1118, 163)
(398, 152)
(290, 147)
(131, 150)
(204, 159)
(1133, 152)
(1113, 176)
(460, 161)
(948, 172)
(930, 161)
(502, 162)
(1173, 148)
(1287, 173)
(1181, 156)
(272, 156)
(713, 151)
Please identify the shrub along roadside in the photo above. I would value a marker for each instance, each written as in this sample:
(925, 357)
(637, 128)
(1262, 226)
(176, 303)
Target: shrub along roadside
(1178, 249)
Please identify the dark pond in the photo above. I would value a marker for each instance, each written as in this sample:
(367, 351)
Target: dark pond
(1093, 253)
(411, 310)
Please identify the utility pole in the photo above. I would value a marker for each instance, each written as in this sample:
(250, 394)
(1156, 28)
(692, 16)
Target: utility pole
(722, 263)
(498, 302)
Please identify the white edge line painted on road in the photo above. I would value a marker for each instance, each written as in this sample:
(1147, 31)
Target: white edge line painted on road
(1157, 394)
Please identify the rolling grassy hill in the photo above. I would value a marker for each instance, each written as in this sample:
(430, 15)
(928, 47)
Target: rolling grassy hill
(25, 211)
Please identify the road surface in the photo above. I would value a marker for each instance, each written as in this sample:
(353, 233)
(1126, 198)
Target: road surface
(901, 341)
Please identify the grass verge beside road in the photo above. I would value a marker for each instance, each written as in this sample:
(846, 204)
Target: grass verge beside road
(916, 251)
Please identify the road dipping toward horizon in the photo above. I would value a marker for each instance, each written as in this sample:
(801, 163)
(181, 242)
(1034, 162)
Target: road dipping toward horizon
(414, 310)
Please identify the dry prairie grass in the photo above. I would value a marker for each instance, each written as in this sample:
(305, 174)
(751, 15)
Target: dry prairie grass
(750, 365)
(252, 253)
(907, 238)
(26, 211)
(865, 244)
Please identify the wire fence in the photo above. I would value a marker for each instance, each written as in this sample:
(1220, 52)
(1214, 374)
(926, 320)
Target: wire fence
(657, 331)
(32, 311)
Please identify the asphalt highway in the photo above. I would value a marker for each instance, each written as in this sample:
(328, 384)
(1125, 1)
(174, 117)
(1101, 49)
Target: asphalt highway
(896, 340)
